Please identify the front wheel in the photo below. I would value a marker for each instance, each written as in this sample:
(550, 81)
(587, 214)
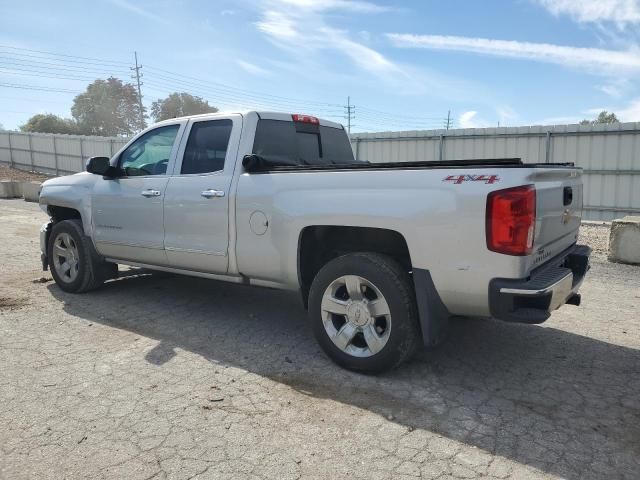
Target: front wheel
(74, 264)
(363, 312)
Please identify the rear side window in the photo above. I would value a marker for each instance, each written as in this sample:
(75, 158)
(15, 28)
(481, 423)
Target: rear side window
(291, 143)
(207, 147)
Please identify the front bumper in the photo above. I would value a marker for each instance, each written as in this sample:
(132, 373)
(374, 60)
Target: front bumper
(550, 286)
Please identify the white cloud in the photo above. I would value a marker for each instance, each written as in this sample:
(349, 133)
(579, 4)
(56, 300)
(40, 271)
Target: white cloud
(252, 68)
(139, 10)
(616, 87)
(628, 113)
(227, 13)
(593, 59)
(470, 119)
(303, 29)
(352, 6)
(620, 12)
(278, 25)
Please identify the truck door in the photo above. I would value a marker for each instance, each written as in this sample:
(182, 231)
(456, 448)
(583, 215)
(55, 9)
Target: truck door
(196, 215)
(127, 212)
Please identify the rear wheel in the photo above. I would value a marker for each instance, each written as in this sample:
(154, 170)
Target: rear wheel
(363, 312)
(74, 264)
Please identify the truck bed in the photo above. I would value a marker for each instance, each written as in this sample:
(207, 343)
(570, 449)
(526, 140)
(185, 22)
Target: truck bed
(268, 166)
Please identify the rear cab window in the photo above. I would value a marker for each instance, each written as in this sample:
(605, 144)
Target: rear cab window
(289, 143)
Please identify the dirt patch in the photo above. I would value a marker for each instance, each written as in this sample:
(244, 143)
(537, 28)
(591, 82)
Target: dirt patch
(11, 303)
(8, 173)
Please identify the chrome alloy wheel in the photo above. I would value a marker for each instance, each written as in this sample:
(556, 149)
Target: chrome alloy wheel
(66, 258)
(356, 316)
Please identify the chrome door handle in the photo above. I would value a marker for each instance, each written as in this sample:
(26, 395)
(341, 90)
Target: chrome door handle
(150, 193)
(212, 193)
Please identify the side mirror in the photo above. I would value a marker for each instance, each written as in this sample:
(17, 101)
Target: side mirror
(99, 166)
(252, 162)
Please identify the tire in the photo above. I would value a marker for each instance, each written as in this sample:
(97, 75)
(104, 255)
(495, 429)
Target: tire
(84, 269)
(356, 330)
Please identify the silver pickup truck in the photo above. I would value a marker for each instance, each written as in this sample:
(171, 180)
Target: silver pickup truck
(381, 253)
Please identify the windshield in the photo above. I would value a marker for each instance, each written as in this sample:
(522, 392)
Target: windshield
(295, 143)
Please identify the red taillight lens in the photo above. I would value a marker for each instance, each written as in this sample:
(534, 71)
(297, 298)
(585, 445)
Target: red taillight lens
(511, 220)
(305, 119)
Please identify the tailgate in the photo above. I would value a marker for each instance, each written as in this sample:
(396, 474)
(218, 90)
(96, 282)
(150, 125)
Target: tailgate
(558, 211)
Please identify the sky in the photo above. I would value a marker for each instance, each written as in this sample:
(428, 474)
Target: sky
(404, 65)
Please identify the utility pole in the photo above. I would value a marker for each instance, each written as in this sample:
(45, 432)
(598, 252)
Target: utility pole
(137, 76)
(349, 114)
(448, 124)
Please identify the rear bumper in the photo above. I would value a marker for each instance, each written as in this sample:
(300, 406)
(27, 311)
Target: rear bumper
(531, 300)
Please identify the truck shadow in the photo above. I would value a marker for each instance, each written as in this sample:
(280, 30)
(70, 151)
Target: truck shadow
(560, 402)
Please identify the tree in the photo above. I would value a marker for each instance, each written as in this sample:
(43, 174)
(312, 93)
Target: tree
(603, 117)
(108, 107)
(49, 123)
(179, 105)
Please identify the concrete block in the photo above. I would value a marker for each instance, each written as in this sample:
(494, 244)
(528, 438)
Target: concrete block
(31, 191)
(624, 241)
(8, 189)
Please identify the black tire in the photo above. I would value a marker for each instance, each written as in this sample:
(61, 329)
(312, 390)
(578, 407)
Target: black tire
(92, 270)
(395, 285)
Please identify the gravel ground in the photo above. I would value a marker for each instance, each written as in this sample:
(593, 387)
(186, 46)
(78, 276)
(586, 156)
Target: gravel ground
(8, 173)
(596, 235)
(160, 376)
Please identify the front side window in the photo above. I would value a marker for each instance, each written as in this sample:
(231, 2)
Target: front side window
(207, 147)
(149, 154)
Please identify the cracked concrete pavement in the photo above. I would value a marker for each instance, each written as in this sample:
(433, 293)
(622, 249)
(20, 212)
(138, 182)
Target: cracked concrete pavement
(161, 376)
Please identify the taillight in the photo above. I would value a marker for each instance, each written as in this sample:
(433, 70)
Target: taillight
(511, 220)
(305, 119)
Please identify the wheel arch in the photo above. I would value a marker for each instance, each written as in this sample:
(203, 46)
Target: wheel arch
(318, 244)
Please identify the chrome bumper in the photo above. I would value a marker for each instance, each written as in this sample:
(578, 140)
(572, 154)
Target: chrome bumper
(531, 300)
(560, 291)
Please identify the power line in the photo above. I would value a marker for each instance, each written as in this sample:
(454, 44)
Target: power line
(31, 73)
(115, 62)
(34, 87)
(58, 66)
(241, 90)
(39, 63)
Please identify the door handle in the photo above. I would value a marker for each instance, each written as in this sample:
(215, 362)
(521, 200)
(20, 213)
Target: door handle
(150, 193)
(212, 193)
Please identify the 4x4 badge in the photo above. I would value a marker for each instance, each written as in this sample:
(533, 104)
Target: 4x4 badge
(457, 179)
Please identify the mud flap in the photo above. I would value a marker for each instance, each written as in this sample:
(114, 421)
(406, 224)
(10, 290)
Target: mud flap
(433, 314)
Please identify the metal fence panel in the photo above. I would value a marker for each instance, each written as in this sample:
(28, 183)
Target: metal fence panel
(610, 154)
(54, 154)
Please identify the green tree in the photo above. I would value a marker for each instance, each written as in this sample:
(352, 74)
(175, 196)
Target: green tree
(49, 123)
(179, 105)
(108, 107)
(603, 117)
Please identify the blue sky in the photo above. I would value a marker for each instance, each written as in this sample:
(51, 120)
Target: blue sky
(404, 64)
